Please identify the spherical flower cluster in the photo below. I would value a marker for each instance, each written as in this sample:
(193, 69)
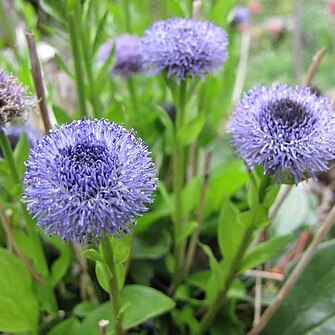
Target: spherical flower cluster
(14, 101)
(240, 15)
(128, 55)
(89, 178)
(291, 132)
(184, 48)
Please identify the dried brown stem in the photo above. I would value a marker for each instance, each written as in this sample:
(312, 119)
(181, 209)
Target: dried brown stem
(316, 60)
(295, 275)
(38, 81)
(265, 275)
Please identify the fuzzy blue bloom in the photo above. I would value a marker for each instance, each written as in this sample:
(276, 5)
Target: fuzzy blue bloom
(88, 178)
(240, 15)
(291, 132)
(14, 101)
(184, 48)
(128, 55)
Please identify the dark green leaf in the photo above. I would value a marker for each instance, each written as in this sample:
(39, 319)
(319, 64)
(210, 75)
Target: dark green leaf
(309, 308)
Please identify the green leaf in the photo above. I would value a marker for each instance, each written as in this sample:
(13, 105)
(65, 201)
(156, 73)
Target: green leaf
(69, 326)
(121, 247)
(309, 308)
(264, 251)
(257, 217)
(54, 8)
(187, 230)
(90, 324)
(168, 124)
(191, 130)
(98, 39)
(191, 194)
(21, 153)
(93, 255)
(143, 303)
(151, 246)
(216, 278)
(225, 182)
(230, 232)
(61, 264)
(84, 308)
(60, 115)
(100, 271)
(19, 310)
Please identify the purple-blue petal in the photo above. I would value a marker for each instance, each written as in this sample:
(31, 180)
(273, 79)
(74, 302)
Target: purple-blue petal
(89, 178)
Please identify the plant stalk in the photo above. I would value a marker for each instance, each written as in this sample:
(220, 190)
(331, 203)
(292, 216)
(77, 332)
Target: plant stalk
(178, 183)
(74, 38)
(233, 271)
(114, 289)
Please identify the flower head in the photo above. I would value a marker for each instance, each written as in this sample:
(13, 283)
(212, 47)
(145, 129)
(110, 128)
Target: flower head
(14, 101)
(184, 48)
(241, 15)
(89, 178)
(289, 131)
(128, 54)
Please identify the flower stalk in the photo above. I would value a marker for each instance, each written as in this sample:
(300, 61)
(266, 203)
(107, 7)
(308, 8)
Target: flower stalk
(178, 182)
(114, 288)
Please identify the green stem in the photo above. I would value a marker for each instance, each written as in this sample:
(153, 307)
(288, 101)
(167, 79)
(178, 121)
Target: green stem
(126, 9)
(135, 115)
(233, 271)
(74, 38)
(114, 291)
(88, 68)
(178, 183)
(8, 154)
(10, 33)
(30, 225)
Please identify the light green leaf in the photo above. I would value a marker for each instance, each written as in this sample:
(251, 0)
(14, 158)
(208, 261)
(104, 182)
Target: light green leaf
(216, 278)
(100, 271)
(191, 130)
(143, 303)
(257, 217)
(21, 153)
(69, 326)
(93, 255)
(19, 309)
(264, 251)
(230, 232)
(191, 194)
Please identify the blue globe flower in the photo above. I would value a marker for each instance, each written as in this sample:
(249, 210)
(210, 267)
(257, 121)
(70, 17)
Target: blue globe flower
(14, 100)
(291, 132)
(184, 48)
(128, 55)
(89, 178)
